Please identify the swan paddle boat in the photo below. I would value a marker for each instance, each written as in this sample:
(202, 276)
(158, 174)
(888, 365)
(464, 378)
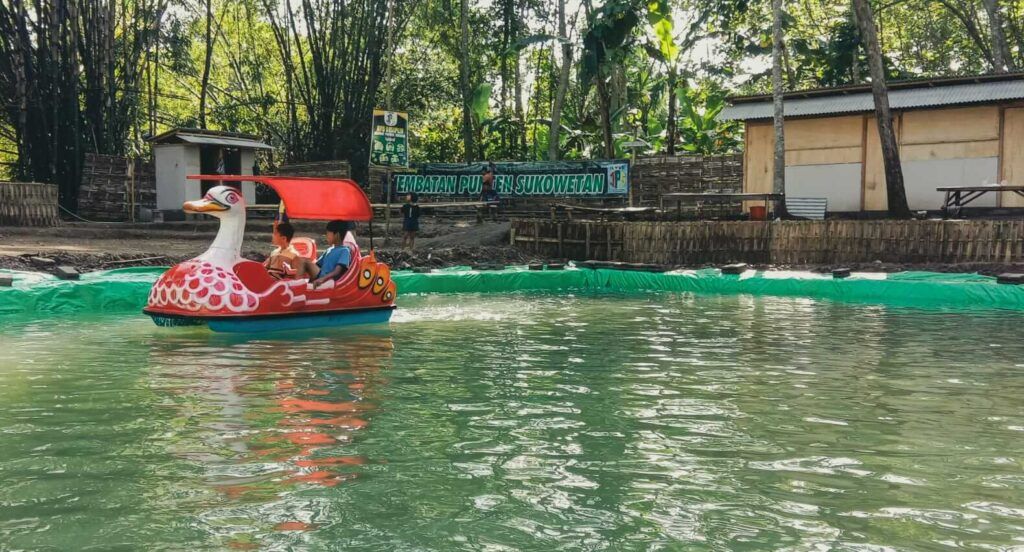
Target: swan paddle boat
(228, 293)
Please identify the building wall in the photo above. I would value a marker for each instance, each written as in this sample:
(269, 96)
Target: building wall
(823, 159)
(248, 188)
(949, 147)
(1012, 146)
(839, 158)
(172, 163)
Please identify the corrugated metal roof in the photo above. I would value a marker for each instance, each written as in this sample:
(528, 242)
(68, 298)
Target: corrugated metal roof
(860, 102)
(224, 141)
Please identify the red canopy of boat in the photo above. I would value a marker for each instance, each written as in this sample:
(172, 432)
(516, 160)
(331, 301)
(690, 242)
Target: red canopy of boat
(310, 198)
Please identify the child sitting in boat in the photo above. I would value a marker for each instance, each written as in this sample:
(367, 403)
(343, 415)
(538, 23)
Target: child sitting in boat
(331, 264)
(336, 260)
(284, 260)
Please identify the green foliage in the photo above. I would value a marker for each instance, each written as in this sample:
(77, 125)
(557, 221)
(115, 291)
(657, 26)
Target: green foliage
(699, 127)
(609, 37)
(659, 15)
(310, 101)
(480, 102)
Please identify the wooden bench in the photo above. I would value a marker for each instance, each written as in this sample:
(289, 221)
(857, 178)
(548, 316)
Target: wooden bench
(810, 208)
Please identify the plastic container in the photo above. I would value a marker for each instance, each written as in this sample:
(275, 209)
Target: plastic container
(758, 212)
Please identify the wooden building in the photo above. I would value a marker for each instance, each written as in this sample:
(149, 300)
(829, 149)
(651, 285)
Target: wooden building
(951, 132)
(180, 152)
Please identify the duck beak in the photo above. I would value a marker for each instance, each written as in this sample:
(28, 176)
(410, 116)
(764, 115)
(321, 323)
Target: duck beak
(204, 206)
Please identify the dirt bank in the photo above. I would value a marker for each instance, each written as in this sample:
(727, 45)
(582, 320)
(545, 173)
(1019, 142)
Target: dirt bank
(104, 247)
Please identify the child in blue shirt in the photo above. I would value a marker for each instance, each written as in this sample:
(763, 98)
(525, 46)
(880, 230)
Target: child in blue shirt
(337, 258)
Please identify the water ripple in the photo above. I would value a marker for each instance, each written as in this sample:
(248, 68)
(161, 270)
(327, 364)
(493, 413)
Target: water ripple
(521, 422)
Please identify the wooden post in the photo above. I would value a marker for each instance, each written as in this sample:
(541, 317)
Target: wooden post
(587, 250)
(536, 236)
(608, 236)
(387, 206)
(561, 252)
(131, 189)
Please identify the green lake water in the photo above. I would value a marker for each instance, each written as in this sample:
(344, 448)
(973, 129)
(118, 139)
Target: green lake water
(521, 422)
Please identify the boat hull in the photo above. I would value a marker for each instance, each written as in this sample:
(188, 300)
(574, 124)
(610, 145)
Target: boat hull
(278, 323)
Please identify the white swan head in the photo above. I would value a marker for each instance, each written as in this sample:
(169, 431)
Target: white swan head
(228, 205)
(223, 202)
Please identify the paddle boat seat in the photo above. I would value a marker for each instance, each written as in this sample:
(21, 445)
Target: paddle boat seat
(353, 269)
(305, 246)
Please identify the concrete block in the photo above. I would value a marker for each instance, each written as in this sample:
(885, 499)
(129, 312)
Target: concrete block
(42, 261)
(6, 281)
(735, 268)
(841, 273)
(66, 272)
(1010, 278)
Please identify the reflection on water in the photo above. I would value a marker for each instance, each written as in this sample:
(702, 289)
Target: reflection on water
(521, 422)
(264, 416)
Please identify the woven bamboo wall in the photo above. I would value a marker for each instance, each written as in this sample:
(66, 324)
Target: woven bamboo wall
(106, 190)
(783, 243)
(28, 204)
(316, 168)
(654, 176)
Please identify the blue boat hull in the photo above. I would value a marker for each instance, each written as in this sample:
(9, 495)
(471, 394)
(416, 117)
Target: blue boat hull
(256, 324)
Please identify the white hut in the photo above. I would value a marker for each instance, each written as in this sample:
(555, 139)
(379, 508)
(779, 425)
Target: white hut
(180, 152)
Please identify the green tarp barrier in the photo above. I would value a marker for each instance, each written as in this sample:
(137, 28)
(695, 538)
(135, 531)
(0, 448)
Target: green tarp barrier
(126, 290)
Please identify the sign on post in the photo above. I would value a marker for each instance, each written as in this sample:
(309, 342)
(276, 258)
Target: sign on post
(389, 139)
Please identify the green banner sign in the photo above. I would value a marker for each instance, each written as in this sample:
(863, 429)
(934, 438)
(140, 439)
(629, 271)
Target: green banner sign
(561, 178)
(389, 140)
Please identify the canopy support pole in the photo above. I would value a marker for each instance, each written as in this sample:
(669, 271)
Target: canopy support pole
(387, 206)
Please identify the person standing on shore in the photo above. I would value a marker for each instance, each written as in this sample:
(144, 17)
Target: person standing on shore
(410, 220)
(487, 178)
(490, 196)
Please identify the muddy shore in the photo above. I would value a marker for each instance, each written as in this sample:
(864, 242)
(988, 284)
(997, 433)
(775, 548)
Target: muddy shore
(105, 247)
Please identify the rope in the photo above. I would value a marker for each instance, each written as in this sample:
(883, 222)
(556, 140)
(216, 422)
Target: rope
(61, 207)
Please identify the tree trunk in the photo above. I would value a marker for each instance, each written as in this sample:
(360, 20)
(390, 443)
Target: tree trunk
(519, 142)
(205, 84)
(467, 122)
(779, 165)
(855, 61)
(563, 86)
(970, 23)
(670, 128)
(604, 103)
(506, 79)
(895, 192)
(1000, 51)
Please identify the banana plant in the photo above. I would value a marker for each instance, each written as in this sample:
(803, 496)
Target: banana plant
(701, 131)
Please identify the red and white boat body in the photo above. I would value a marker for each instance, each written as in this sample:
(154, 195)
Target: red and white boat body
(229, 293)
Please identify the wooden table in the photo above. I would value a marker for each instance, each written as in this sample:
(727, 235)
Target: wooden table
(959, 196)
(700, 198)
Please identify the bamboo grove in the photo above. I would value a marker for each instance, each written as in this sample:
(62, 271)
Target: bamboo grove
(481, 79)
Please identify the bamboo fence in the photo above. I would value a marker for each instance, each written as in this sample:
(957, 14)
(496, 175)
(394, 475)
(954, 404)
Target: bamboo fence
(28, 204)
(787, 243)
